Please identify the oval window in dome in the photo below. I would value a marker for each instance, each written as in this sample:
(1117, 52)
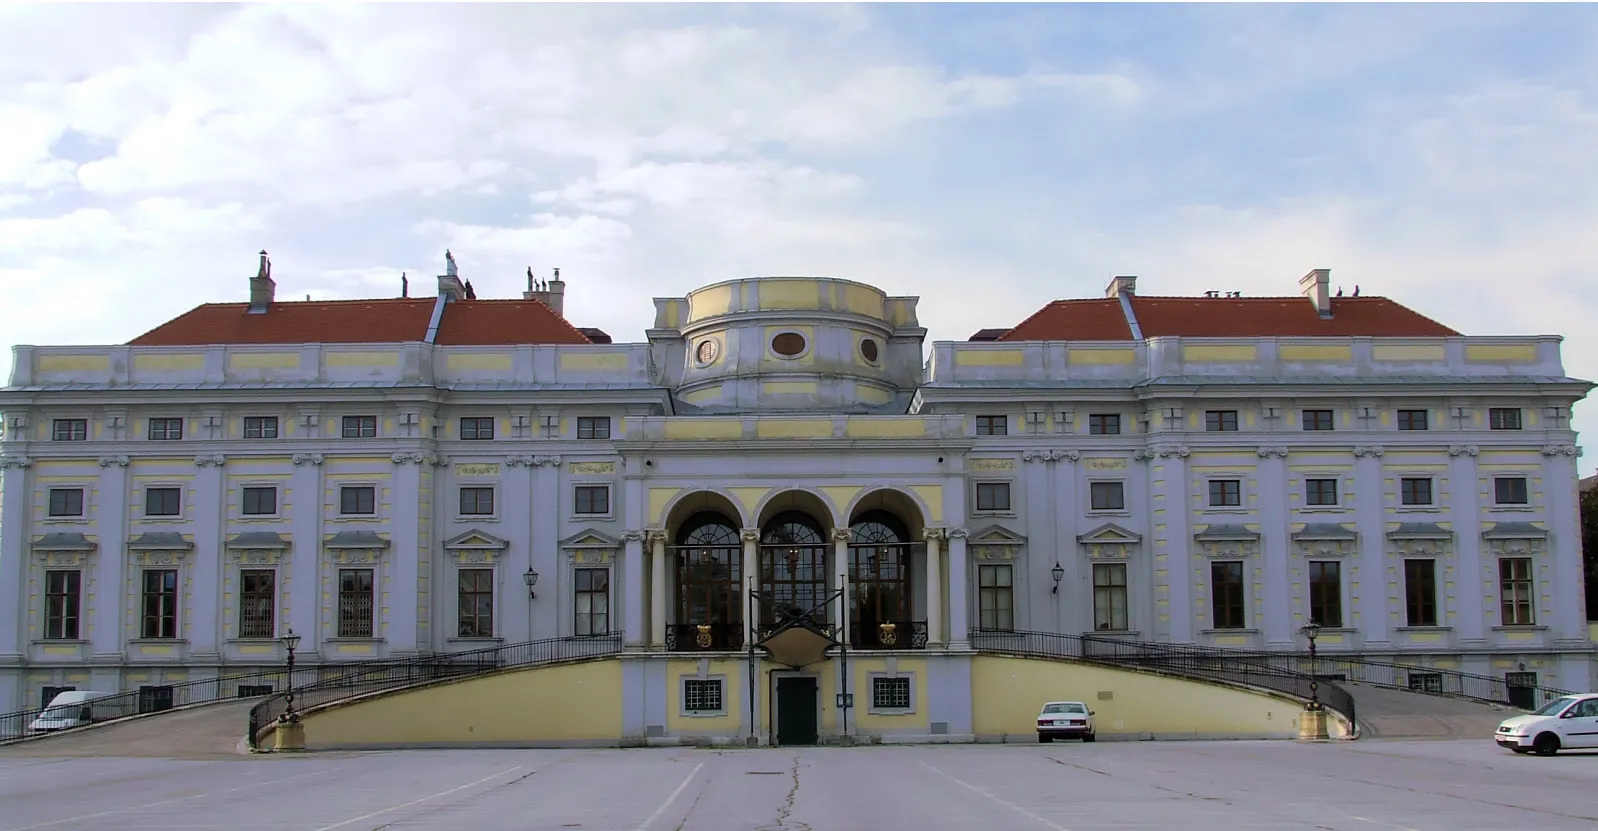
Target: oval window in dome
(788, 344)
(707, 351)
(868, 350)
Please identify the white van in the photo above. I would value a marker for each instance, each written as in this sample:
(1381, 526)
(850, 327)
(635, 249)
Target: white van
(69, 709)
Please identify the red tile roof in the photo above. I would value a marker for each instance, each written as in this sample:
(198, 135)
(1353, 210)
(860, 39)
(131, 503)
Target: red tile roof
(1226, 317)
(390, 320)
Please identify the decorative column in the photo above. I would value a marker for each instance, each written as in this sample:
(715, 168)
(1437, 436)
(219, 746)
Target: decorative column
(108, 583)
(14, 556)
(1464, 512)
(632, 587)
(400, 623)
(751, 582)
(1564, 549)
(1275, 529)
(205, 622)
(934, 540)
(1174, 567)
(302, 583)
(1370, 590)
(518, 497)
(544, 550)
(840, 571)
(959, 584)
(657, 589)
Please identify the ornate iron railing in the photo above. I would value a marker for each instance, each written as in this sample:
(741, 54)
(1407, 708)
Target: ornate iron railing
(393, 675)
(704, 637)
(894, 634)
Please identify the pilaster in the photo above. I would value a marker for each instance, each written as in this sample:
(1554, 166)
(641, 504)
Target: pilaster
(1171, 546)
(632, 588)
(1042, 610)
(1370, 514)
(305, 555)
(400, 630)
(840, 576)
(1275, 529)
(1564, 545)
(934, 540)
(14, 554)
(518, 500)
(1464, 512)
(751, 581)
(544, 548)
(108, 585)
(959, 589)
(657, 590)
(210, 495)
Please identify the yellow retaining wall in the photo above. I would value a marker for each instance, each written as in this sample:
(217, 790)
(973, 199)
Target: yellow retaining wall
(574, 703)
(1007, 693)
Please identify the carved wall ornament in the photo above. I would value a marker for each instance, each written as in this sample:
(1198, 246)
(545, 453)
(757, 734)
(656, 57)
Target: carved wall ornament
(657, 538)
(593, 556)
(15, 461)
(593, 468)
(1419, 548)
(307, 459)
(408, 458)
(255, 556)
(841, 534)
(1179, 451)
(438, 461)
(1515, 547)
(546, 461)
(1272, 452)
(627, 536)
(474, 556)
(356, 556)
(165, 557)
(957, 533)
(932, 534)
(519, 461)
(1327, 548)
(1374, 452)
(215, 460)
(62, 558)
(1143, 455)
(1229, 548)
(749, 535)
(995, 552)
(1560, 450)
(120, 461)
(1463, 450)
(1050, 455)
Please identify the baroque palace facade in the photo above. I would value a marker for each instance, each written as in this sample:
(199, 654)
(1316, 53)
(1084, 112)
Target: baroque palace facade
(386, 476)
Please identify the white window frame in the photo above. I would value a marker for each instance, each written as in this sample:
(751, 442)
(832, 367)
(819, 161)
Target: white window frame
(610, 595)
(1121, 511)
(338, 500)
(277, 500)
(610, 499)
(871, 692)
(1337, 493)
(1244, 491)
(682, 696)
(1008, 483)
(1398, 492)
(84, 487)
(144, 501)
(494, 600)
(237, 611)
(492, 486)
(377, 426)
(183, 427)
(244, 429)
(1492, 491)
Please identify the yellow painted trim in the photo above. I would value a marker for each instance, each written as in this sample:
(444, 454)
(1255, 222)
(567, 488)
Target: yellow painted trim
(703, 429)
(701, 396)
(812, 428)
(932, 497)
(872, 395)
(659, 498)
(1217, 352)
(73, 363)
(841, 495)
(863, 300)
(1508, 353)
(989, 357)
(360, 360)
(593, 361)
(479, 361)
(263, 360)
(1306, 352)
(1408, 352)
(885, 427)
(789, 294)
(790, 388)
(184, 362)
(748, 498)
(1101, 356)
(709, 302)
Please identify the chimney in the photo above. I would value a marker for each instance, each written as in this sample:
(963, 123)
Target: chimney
(262, 289)
(449, 283)
(1317, 286)
(552, 292)
(1120, 286)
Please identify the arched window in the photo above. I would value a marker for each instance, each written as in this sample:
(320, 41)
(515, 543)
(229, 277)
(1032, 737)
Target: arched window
(879, 577)
(793, 566)
(707, 528)
(709, 564)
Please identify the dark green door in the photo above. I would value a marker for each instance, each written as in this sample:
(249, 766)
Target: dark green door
(796, 711)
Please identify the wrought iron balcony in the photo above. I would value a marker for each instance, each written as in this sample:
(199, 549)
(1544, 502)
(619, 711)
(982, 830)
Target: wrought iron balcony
(891, 634)
(704, 637)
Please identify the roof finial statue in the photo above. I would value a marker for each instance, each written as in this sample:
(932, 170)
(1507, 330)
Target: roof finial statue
(449, 264)
(405, 285)
(530, 281)
(557, 274)
(265, 270)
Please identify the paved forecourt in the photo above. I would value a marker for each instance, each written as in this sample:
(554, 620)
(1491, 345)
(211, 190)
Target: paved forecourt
(1425, 786)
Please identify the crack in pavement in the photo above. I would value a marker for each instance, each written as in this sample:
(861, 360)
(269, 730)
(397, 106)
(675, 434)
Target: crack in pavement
(784, 812)
(1077, 766)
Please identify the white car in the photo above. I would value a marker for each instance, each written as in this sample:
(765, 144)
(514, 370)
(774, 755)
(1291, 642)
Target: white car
(1566, 723)
(1065, 720)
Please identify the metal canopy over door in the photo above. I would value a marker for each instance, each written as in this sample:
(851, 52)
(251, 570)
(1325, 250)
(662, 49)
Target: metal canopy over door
(795, 704)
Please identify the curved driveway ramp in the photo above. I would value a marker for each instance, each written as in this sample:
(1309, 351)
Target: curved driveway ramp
(209, 731)
(1386, 713)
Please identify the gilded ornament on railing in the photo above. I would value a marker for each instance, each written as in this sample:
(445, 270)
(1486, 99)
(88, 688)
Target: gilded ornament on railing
(703, 638)
(887, 633)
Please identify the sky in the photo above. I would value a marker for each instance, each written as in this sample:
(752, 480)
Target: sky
(988, 158)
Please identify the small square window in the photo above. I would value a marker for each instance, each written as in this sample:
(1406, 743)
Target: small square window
(66, 502)
(702, 696)
(1412, 420)
(1226, 493)
(1107, 496)
(357, 500)
(993, 496)
(69, 429)
(258, 501)
(1321, 492)
(593, 427)
(165, 429)
(477, 429)
(890, 693)
(360, 427)
(477, 501)
(993, 425)
(260, 427)
(1503, 418)
(165, 502)
(1317, 419)
(593, 499)
(1220, 421)
(1510, 490)
(1104, 424)
(1415, 491)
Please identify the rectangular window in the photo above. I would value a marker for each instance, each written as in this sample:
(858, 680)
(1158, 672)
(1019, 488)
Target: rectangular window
(1104, 424)
(1107, 496)
(257, 596)
(593, 499)
(995, 598)
(357, 500)
(163, 501)
(258, 501)
(1320, 492)
(165, 429)
(1220, 421)
(1420, 592)
(1317, 419)
(1412, 420)
(66, 502)
(701, 695)
(993, 425)
(1514, 591)
(1415, 491)
(477, 501)
(1226, 493)
(1503, 418)
(593, 427)
(260, 427)
(360, 427)
(159, 603)
(592, 601)
(1326, 593)
(477, 429)
(355, 603)
(890, 693)
(69, 429)
(61, 602)
(1510, 490)
(1109, 597)
(993, 496)
(476, 602)
(1431, 682)
(1226, 594)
